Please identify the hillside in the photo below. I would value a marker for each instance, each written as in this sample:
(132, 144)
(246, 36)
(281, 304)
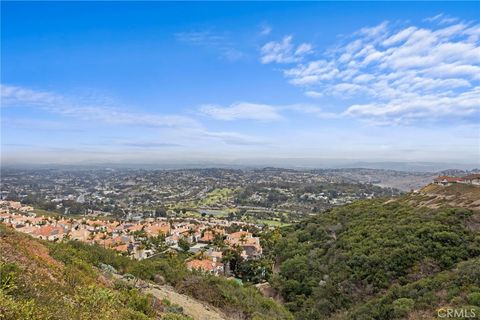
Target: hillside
(47, 280)
(35, 285)
(382, 259)
(455, 195)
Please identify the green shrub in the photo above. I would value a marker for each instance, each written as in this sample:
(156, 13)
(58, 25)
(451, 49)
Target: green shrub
(402, 306)
(10, 309)
(8, 275)
(474, 299)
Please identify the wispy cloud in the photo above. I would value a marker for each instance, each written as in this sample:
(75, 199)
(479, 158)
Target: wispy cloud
(265, 29)
(313, 94)
(403, 73)
(284, 51)
(202, 38)
(441, 18)
(233, 138)
(262, 112)
(38, 124)
(86, 109)
(145, 144)
(220, 42)
(312, 110)
(242, 111)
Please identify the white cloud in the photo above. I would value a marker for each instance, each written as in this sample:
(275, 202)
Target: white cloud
(441, 19)
(265, 30)
(264, 112)
(13, 94)
(396, 69)
(284, 51)
(219, 42)
(463, 104)
(311, 110)
(242, 111)
(399, 36)
(85, 109)
(234, 138)
(374, 32)
(311, 73)
(313, 94)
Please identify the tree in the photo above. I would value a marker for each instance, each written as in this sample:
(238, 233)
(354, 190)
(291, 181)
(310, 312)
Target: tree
(233, 257)
(254, 270)
(184, 245)
(160, 212)
(219, 241)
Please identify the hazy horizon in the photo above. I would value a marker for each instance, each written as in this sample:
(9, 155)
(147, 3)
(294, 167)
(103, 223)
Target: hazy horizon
(251, 163)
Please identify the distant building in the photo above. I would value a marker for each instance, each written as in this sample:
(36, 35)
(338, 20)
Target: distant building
(49, 232)
(206, 265)
(446, 180)
(197, 247)
(471, 179)
(208, 237)
(250, 244)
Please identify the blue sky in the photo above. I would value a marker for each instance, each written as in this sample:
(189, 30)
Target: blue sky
(89, 82)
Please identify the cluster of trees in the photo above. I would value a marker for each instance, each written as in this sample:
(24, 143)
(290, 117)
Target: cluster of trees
(271, 197)
(374, 251)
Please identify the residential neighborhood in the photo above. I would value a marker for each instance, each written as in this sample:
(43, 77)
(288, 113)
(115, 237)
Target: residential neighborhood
(267, 195)
(205, 239)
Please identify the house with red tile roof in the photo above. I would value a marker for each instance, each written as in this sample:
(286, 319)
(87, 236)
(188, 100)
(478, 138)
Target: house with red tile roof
(80, 234)
(121, 248)
(172, 240)
(156, 229)
(446, 180)
(471, 179)
(208, 237)
(49, 232)
(206, 265)
(215, 256)
(250, 244)
(239, 235)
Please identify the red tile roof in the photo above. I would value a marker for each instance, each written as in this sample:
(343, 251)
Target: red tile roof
(205, 265)
(448, 179)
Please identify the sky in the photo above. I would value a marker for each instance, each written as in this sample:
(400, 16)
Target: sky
(145, 82)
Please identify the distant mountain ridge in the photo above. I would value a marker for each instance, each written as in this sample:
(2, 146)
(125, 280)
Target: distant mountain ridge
(256, 163)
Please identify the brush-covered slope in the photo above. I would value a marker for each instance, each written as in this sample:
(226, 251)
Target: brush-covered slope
(34, 285)
(455, 195)
(47, 280)
(379, 259)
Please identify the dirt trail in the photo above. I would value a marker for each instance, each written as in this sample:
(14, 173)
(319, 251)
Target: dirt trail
(191, 307)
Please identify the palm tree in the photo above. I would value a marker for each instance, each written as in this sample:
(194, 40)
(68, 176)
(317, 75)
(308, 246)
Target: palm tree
(243, 239)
